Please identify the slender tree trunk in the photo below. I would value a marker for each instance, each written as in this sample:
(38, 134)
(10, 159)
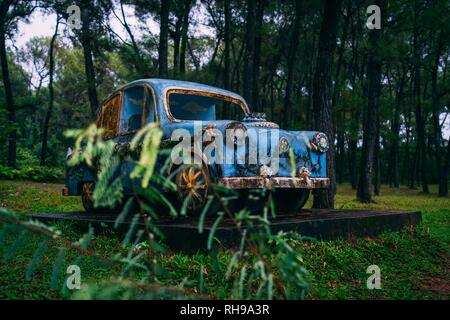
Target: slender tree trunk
(88, 62)
(377, 182)
(257, 54)
(364, 193)
(138, 61)
(355, 115)
(163, 39)
(340, 160)
(12, 135)
(249, 52)
(406, 162)
(236, 75)
(446, 171)
(227, 39)
(420, 125)
(291, 61)
(323, 96)
(176, 46)
(396, 132)
(184, 37)
(352, 145)
(310, 100)
(50, 94)
(341, 53)
(436, 127)
(414, 170)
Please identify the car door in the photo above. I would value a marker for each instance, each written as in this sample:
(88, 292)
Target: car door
(132, 111)
(131, 119)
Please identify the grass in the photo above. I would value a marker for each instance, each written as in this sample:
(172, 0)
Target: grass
(28, 196)
(414, 263)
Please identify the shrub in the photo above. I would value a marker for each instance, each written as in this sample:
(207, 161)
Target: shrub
(34, 173)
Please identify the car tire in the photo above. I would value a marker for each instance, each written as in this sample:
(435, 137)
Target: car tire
(290, 200)
(87, 199)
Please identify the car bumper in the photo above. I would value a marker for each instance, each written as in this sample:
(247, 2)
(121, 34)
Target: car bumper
(274, 182)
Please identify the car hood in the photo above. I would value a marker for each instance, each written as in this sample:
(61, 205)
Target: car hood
(264, 138)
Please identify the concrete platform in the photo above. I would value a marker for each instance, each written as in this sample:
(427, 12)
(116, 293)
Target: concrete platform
(181, 233)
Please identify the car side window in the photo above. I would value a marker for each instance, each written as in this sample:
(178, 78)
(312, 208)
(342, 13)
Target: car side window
(131, 115)
(108, 116)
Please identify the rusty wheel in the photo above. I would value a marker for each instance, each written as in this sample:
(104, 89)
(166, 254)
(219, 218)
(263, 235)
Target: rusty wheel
(87, 196)
(192, 186)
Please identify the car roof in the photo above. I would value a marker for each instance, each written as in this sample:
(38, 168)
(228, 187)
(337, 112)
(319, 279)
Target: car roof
(161, 84)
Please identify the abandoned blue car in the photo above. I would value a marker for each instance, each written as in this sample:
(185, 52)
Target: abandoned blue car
(249, 152)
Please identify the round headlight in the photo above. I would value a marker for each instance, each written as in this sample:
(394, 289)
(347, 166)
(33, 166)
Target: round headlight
(284, 145)
(320, 142)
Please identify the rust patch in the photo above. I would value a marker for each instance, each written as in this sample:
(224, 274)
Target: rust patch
(274, 182)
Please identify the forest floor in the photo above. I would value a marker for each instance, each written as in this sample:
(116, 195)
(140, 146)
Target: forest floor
(414, 263)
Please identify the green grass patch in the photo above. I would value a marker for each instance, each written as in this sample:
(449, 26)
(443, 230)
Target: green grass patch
(414, 263)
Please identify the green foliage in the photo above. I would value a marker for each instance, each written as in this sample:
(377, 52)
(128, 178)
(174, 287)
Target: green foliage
(41, 174)
(91, 150)
(148, 152)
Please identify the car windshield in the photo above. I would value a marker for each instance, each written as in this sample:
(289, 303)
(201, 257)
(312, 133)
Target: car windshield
(197, 106)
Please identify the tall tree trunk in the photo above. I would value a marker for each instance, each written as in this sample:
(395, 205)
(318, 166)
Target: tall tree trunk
(323, 96)
(292, 54)
(227, 39)
(395, 129)
(352, 145)
(176, 46)
(12, 135)
(341, 53)
(364, 193)
(420, 125)
(445, 171)
(257, 54)
(436, 127)
(376, 159)
(163, 39)
(340, 159)
(249, 52)
(414, 170)
(184, 37)
(48, 115)
(310, 100)
(85, 40)
(407, 158)
(138, 61)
